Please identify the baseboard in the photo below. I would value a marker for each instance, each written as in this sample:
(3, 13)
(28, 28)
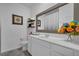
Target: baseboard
(3, 51)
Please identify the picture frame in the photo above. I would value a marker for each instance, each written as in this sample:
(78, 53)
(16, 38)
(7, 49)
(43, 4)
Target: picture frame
(16, 19)
(39, 23)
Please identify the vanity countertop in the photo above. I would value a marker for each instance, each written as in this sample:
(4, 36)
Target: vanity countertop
(58, 41)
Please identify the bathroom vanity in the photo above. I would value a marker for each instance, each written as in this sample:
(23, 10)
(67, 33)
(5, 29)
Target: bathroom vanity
(40, 45)
(54, 44)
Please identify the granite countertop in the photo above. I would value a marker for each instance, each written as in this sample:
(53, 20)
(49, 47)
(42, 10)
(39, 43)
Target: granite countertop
(58, 41)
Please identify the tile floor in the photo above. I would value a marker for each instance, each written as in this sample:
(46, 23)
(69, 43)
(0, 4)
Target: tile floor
(17, 52)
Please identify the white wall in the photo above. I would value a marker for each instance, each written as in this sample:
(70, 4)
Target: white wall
(41, 7)
(11, 34)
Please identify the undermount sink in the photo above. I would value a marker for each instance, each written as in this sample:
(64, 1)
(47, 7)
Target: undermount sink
(44, 36)
(51, 37)
(57, 38)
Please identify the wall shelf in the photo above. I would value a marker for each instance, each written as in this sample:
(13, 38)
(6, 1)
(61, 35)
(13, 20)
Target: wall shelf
(31, 23)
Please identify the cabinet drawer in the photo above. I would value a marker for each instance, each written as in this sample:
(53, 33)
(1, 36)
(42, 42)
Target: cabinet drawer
(41, 42)
(61, 50)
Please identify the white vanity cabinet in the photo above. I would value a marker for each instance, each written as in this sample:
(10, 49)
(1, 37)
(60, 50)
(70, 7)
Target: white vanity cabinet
(76, 53)
(61, 51)
(54, 53)
(39, 48)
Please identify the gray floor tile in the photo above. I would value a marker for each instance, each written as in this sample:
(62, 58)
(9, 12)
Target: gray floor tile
(16, 52)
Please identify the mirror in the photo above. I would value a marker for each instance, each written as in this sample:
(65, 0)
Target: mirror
(48, 22)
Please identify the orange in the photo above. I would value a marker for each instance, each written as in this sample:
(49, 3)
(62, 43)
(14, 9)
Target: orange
(61, 30)
(69, 29)
(77, 29)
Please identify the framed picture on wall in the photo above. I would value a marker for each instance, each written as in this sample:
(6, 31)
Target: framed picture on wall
(16, 19)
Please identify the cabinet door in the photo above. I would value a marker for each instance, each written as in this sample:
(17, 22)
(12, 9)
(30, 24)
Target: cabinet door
(39, 47)
(76, 53)
(54, 53)
(61, 50)
(66, 13)
(29, 44)
(39, 50)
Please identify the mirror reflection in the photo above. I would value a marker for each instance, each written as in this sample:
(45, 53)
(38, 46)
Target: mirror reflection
(48, 22)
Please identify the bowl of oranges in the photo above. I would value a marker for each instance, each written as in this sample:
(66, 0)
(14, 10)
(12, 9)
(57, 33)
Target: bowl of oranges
(71, 27)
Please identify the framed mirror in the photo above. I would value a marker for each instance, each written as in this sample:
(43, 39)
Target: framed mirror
(48, 20)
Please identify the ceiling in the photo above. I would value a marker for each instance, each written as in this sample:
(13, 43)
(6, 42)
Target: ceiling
(29, 4)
